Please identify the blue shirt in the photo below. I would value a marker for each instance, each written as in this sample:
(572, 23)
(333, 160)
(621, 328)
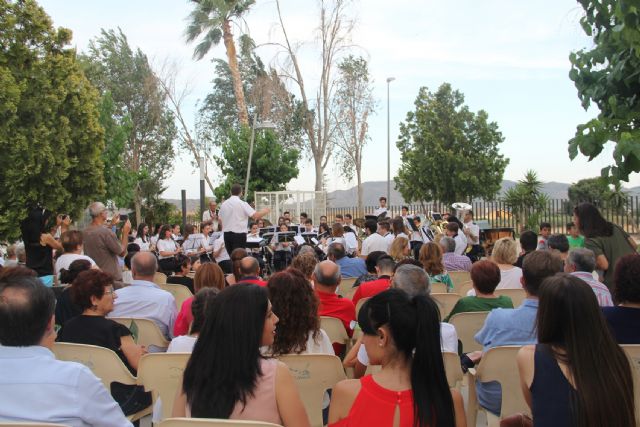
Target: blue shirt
(351, 267)
(505, 326)
(35, 387)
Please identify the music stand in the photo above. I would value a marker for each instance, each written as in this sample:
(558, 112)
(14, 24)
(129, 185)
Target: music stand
(295, 228)
(371, 217)
(265, 230)
(286, 236)
(308, 236)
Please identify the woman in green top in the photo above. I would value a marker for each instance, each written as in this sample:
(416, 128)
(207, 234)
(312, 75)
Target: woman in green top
(485, 276)
(607, 241)
(431, 260)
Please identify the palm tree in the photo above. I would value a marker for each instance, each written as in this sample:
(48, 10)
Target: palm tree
(527, 201)
(211, 21)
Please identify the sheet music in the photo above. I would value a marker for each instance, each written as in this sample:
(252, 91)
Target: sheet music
(314, 240)
(298, 239)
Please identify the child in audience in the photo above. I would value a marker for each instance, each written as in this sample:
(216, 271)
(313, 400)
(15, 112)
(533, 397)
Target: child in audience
(576, 375)
(545, 231)
(574, 237)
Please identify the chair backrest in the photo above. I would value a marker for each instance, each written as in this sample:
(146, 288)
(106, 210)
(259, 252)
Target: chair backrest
(334, 329)
(314, 374)
(346, 286)
(452, 368)
(633, 353)
(516, 295)
(458, 278)
(28, 424)
(211, 422)
(467, 325)
(463, 288)
(161, 374)
(439, 288)
(159, 278)
(180, 292)
(104, 363)
(499, 364)
(144, 331)
(445, 303)
(359, 305)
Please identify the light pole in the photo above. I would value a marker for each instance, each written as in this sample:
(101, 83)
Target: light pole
(389, 80)
(256, 125)
(203, 172)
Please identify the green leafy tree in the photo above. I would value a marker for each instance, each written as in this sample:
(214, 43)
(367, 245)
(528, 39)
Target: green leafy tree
(50, 136)
(607, 75)
(210, 21)
(272, 166)
(355, 103)
(448, 153)
(139, 106)
(595, 190)
(527, 201)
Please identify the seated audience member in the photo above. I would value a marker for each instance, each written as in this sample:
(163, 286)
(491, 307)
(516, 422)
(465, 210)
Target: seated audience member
(401, 333)
(485, 276)
(145, 299)
(65, 307)
(226, 376)
(326, 278)
(305, 263)
(349, 267)
(559, 244)
(209, 275)
(453, 231)
(181, 272)
(545, 232)
(250, 271)
(580, 263)
(296, 305)
(431, 259)
(11, 260)
(528, 244)
(235, 275)
(35, 387)
(384, 268)
(374, 240)
(515, 326)
(400, 248)
(576, 375)
(624, 319)
(413, 280)
(451, 260)
(92, 291)
(21, 254)
(127, 277)
(370, 262)
(573, 236)
(505, 254)
(72, 244)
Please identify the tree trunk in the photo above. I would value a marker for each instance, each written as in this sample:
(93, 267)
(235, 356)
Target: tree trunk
(360, 207)
(137, 202)
(317, 160)
(243, 116)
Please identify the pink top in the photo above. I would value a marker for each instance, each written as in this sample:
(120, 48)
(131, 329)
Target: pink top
(262, 405)
(184, 319)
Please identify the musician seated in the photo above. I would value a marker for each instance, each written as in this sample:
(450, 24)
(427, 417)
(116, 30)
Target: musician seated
(349, 267)
(283, 250)
(461, 241)
(250, 272)
(337, 236)
(374, 241)
(308, 226)
(451, 260)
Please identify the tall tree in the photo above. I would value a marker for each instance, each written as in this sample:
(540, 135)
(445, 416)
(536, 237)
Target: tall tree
(607, 75)
(212, 19)
(334, 31)
(272, 166)
(50, 136)
(527, 201)
(355, 103)
(595, 190)
(139, 102)
(449, 154)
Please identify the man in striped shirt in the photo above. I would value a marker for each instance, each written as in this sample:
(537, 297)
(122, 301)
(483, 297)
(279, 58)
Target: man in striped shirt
(581, 263)
(451, 260)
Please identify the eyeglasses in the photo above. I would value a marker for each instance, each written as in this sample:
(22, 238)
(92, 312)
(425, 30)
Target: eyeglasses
(109, 292)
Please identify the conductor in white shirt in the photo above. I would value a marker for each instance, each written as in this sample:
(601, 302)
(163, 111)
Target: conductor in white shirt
(234, 214)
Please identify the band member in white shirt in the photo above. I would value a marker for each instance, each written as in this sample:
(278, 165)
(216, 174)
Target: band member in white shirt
(472, 232)
(460, 239)
(283, 250)
(382, 209)
(234, 214)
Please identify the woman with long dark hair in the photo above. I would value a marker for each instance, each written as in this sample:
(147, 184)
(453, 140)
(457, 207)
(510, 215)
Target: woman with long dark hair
(608, 241)
(227, 377)
(167, 250)
(402, 334)
(142, 237)
(624, 319)
(576, 375)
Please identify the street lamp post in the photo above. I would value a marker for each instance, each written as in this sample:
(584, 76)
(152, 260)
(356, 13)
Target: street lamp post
(203, 172)
(256, 125)
(389, 80)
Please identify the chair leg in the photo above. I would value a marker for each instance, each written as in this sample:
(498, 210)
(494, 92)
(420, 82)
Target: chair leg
(472, 404)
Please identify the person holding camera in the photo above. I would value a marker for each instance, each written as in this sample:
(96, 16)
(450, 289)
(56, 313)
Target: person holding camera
(102, 245)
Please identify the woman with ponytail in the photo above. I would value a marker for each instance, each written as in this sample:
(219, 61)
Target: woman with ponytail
(402, 334)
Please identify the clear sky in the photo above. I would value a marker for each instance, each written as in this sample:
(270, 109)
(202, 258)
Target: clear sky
(508, 57)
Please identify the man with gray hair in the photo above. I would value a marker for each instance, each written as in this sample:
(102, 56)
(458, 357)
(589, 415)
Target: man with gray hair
(326, 278)
(102, 245)
(580, 263)
(451, 260)
(145, 299)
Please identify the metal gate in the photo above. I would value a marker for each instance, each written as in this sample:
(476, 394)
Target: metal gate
(313, 203)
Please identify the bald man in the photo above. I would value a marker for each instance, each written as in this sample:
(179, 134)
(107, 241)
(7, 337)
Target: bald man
(250, 271)
(145, 299)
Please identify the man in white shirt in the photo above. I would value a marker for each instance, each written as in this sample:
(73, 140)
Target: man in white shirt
(382, 209)
(461, 241)
(384, 228)
(35, 387)
(471, 231)
(374, 241)
(145, 299)
(210, 214)
(234, 214)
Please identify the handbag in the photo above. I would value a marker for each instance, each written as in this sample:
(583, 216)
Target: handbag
(517, 420)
